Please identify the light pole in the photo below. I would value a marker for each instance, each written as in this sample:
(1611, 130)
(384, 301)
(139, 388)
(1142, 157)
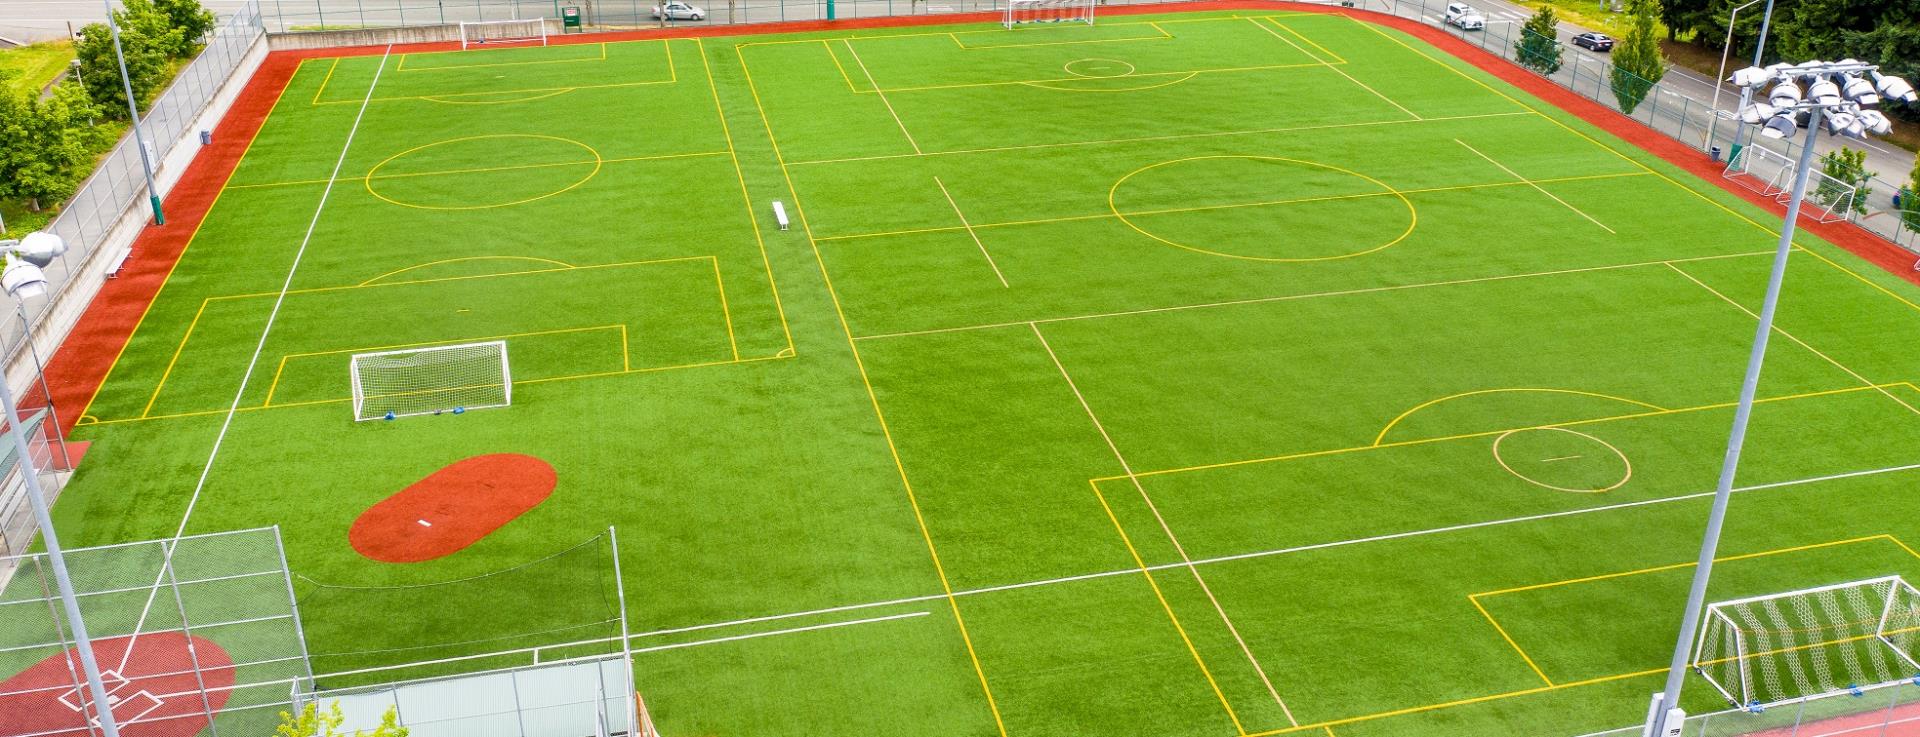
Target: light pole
(1839, 96)
(133, 107)
(23, 280)
(1759, 51)
(1726, 48)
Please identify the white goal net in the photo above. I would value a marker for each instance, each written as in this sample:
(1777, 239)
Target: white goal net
(1048, 11)
(420, 381)
(522, 31)
(1770, 173)
(1805, 644)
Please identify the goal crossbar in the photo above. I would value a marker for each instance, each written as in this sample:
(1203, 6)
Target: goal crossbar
(1048, 11)
(418, 381)
(520, 30)
(1770, 173)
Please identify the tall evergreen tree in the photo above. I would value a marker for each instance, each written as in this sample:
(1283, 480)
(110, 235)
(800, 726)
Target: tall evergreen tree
(1539, 47)
(1637, 62)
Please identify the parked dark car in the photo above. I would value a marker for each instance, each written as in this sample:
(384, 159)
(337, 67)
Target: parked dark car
(1595, 41)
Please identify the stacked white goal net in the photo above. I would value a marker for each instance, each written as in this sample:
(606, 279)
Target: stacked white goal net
(1048, 11)
(1807, 644)
(423, 381)
(531, 31)
(1770, 173)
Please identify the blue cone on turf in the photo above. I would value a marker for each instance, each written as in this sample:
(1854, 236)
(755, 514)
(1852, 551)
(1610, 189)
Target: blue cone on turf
(459, 410)
(389, 414)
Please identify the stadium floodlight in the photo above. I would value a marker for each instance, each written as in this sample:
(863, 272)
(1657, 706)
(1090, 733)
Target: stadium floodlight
(1858, 89)
(23, 280)
(1893, 88)
(40, 248)
(1779, 126)
(1824, 91)
(1756, 113)
(1850, 114)
(1752, 77)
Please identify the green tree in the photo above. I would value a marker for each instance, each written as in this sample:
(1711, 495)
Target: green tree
(1538, 48)
(47, 145)
(100, 70)
(1637, 63)
(1849, 167)
(311, 722)
(189, 18)
(145, 19)
(1909, 208)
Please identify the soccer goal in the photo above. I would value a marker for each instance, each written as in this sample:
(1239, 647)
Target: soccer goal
(1048, 11)
(1806, 644)
(519, 31)
(422, 381)
(1770, 173)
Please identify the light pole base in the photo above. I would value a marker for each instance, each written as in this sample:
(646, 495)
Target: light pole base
(159, 218)
(1664, 722)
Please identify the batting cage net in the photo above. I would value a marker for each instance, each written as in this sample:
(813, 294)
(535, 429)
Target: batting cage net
(195, 635)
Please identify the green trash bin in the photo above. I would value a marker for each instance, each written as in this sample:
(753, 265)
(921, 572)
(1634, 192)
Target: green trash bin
(570, 19)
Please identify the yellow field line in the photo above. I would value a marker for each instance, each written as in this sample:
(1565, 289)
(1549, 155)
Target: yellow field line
(323, 82)
(463, 259)
(404, 57)
(1797, 341)
(1480, 434)
(1275, 20)
(969, 228)
(284, 358)
(1000, 31)
(467, 277)
(177, 350)
(873, 399)
(955, 35)
(746, 200)
(1335, 69)
(828, 45)
(883, 97)
(483, 169)
(726, 313)
(1688, 564)
(1378, 439)
(1168, 608)
(1188, 72)
(1536, 186)
(1509, 638)
(1237, 205)
(1168, 137)
(191, 237)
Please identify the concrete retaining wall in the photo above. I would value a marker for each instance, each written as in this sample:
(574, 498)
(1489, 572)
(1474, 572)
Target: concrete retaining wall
(375, 36)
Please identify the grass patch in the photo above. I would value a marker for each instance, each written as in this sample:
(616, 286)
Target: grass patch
(35, 65)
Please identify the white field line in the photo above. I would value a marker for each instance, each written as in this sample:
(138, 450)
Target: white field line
(883, 96)
(1308, 295)
(1530, 183)
(1274, 552)
(755, 635)
(970, 233)
(1164, 527)
(207, 470)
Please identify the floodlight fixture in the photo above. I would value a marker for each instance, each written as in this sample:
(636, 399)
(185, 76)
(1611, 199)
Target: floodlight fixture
(40, 248)
(1756, 113)
(1779, 126)
(1893, 88)
(1823, 91)
(1839, 122)
(1858, 90)
(1752, 77)
(1876, 122)
(22, 280)
(1785, 94)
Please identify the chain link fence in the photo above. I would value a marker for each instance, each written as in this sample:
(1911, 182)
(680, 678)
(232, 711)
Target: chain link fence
(196, 635)
(1883, 710)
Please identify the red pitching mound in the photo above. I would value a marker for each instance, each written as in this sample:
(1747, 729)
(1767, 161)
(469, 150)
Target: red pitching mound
(456, 506)
(155, 694)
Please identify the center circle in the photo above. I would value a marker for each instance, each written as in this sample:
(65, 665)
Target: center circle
(1098, 68)
(1562, 460)
(480, 172)
(1262, 208)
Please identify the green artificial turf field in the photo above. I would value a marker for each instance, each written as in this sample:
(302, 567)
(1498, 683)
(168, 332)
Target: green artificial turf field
(1203, 374)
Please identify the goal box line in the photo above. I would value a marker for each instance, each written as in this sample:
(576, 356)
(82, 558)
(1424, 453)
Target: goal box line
(1803, 632)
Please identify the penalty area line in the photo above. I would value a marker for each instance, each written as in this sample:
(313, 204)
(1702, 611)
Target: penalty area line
(206, 471)
(789, 631)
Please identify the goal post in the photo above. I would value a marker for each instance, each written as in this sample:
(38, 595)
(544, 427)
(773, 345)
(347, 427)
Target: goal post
(420, 381)
(1811, 643)
(1770, 173)
(1048, 11)
(518, 31)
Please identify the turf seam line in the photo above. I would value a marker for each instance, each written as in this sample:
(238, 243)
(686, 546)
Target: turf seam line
(1309, 295)
(794, 630)
(1537, 187)
(969, 228)
(1797, 341)
(1164, 527)
(206, 471)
